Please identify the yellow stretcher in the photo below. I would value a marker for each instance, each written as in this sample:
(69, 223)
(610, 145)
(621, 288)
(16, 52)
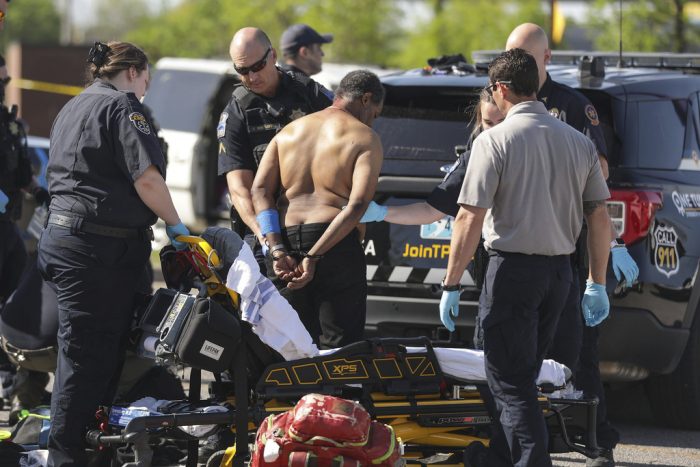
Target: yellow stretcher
(440, 420)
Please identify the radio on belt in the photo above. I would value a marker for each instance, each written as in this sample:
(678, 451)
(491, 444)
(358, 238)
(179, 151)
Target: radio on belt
(170, 328)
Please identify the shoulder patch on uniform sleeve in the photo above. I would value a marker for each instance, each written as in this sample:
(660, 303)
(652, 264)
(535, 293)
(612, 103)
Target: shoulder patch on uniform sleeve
(592, 114)
(140, 122)
(221, 127)
(326, 92)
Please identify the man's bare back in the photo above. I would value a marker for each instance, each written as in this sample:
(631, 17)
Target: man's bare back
(317, 156)
(313, 168)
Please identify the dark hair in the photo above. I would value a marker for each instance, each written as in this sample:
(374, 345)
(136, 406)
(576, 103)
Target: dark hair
(291, 54)
(518, 67)
(356, 83)
(107, 60)
(477, 118)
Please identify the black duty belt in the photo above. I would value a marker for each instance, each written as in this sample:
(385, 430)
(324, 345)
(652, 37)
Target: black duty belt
(88, 227)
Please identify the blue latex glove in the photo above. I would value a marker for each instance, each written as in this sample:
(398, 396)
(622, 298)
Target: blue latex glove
(595, 305)
(623, 264)
(175, 230)
(3, 202)
(449, 307)
(374, 213)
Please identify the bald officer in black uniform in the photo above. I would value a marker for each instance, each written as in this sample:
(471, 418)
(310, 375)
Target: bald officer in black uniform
(105, 176)
(266, 100)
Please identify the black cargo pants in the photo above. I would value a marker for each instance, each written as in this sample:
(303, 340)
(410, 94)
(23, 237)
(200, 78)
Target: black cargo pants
(521, 301)
(95, 278)
(13, 257)
(333, 306)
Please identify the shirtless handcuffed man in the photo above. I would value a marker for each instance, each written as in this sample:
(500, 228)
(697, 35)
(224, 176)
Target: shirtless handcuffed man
(311, 169)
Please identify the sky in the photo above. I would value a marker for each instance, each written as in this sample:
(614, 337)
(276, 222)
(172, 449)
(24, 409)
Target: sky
(83, 11)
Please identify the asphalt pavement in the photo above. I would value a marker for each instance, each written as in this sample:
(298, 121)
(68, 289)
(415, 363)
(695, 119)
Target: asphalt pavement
(643, 442)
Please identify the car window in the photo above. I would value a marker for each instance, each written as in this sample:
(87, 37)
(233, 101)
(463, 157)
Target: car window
(691, 148)
(661, 127)
(424, 124)
(39, 158)
(179, 99)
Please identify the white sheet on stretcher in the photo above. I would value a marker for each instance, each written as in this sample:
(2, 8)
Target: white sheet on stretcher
(278, 325)
(468, 365)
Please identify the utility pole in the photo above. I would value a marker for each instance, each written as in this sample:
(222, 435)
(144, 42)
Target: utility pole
(66, 37)
(552, 45)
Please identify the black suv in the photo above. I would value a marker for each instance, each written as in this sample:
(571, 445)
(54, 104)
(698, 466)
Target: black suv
(649, 109)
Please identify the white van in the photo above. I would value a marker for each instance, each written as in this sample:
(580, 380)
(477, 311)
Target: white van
(186, 97)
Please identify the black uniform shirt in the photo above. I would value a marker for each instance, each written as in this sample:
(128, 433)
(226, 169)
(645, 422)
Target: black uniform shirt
(292, 101)
(306, 80)
(572, 107)
(15, 166)
(444, 196)
(101, 143)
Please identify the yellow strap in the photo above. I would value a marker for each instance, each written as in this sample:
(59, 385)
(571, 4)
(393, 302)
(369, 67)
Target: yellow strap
(227, 461)
(44, 86)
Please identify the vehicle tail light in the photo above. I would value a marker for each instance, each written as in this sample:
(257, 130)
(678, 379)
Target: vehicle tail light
(632, 212)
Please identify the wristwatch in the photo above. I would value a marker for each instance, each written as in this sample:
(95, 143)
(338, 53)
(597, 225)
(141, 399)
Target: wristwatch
(618, 242)
(450, 288)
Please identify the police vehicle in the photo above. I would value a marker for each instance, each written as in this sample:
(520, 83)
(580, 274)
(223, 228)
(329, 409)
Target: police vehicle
(187, 97)
(649, 109)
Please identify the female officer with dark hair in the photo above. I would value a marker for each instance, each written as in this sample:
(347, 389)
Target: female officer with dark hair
(106, 180)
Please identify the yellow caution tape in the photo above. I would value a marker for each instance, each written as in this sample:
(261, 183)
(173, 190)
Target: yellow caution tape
(44, 86)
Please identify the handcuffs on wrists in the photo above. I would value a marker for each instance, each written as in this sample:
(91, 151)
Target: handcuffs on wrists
(278, 247)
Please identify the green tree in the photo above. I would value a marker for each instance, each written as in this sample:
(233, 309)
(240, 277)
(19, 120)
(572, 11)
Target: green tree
(35, 22)
(365, 30)
(204, 28)
(114, 21)
(647, 25)
(462, 27)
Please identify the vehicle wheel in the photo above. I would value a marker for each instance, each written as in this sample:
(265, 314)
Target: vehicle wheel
(675, 398)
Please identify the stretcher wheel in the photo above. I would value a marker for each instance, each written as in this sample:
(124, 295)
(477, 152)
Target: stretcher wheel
(216, 458)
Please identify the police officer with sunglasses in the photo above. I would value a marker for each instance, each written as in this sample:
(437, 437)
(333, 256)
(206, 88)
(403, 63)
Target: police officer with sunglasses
(264, 102)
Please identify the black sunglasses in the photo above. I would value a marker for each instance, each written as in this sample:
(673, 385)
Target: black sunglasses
(490, 88)
(255, 67)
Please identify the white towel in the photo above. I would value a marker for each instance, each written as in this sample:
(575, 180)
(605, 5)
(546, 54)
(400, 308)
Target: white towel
(273, 318)
(244, 277)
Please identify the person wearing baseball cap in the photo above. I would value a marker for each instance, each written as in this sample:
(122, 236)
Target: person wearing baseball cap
(301, 50)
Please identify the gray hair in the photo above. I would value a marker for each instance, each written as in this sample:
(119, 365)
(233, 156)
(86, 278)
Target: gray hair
(356, 83)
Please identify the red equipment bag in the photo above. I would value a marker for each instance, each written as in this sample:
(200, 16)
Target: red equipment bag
(325, 431)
